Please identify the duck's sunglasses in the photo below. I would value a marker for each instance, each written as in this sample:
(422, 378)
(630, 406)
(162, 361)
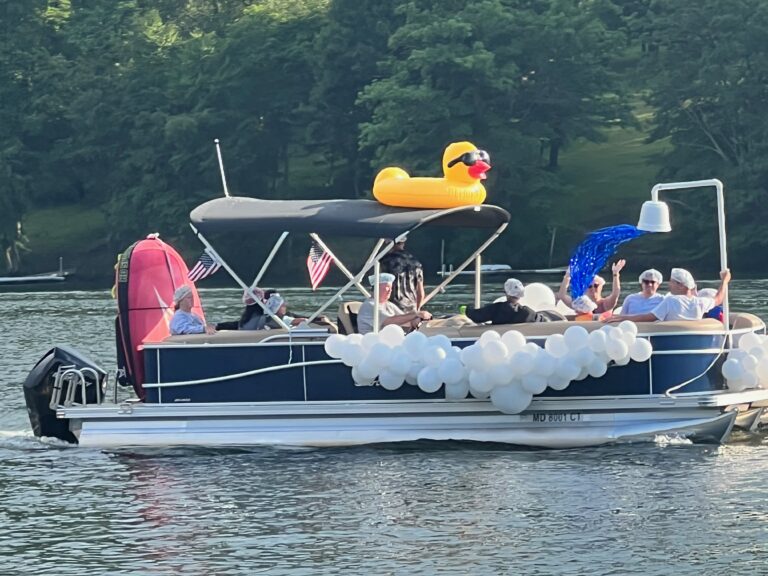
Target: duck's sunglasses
(471, 158)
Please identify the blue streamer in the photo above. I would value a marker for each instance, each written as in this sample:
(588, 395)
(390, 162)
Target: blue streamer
(591, 255)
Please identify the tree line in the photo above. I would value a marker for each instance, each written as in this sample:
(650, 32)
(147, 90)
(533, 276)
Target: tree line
(116, 103)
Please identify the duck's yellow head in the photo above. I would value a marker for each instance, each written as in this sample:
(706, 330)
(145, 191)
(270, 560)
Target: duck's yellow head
(463, 162)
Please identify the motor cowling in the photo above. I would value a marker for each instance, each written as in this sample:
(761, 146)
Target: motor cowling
(39, 389)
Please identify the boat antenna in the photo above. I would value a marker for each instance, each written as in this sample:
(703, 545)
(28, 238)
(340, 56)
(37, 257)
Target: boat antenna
(221, 168)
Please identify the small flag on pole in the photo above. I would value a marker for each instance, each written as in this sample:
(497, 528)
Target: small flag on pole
(318, 264)
(206, 265)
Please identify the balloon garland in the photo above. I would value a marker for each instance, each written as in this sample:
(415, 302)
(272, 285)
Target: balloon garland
(747, 366)
(505, 368)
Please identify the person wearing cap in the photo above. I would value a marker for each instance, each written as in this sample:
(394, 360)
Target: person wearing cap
(648, 297)
(509, 311)
(408, 287)
(682, 303)
(389, 313)
(595, 290)
(185, 321)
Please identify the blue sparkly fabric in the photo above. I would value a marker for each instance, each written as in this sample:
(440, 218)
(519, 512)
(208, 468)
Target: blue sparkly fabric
(591, 255)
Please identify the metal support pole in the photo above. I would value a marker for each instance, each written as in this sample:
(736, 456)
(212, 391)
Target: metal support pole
(478, 280)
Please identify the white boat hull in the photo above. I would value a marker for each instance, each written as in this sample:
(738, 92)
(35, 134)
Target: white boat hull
(356, 424)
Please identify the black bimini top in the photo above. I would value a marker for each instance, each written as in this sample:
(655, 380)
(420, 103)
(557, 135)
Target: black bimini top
(362, 218)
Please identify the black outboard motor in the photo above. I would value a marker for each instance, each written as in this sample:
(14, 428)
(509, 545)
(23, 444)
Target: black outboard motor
(39, 389)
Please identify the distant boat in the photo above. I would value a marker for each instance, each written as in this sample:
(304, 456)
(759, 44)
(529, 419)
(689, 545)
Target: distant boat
(44, 278)
(491, 269)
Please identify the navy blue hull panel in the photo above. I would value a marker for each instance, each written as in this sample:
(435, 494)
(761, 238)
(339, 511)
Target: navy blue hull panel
(333, 382)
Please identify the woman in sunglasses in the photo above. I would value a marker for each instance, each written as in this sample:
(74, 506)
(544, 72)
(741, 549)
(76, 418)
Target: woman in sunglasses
(595, 290)
(647, 299)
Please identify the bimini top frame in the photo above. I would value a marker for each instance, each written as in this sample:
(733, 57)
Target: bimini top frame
(360, 218)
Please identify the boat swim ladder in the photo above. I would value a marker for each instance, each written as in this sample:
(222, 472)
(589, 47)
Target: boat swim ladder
(73, 377)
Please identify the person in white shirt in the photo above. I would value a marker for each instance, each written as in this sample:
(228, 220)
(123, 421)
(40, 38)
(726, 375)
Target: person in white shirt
(388, 312)
(185, 321)
(681, 303)
(648, 298)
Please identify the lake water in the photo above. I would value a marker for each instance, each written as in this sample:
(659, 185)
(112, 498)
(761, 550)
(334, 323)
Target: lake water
(420, 508)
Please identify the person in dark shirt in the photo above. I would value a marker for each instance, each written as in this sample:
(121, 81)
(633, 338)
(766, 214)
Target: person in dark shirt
(507, 312)
(408, 287)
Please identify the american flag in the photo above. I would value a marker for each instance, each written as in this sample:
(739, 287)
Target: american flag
(206, 265)
(318, 264)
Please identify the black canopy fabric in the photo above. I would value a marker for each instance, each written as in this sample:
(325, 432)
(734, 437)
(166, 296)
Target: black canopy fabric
(362, 218)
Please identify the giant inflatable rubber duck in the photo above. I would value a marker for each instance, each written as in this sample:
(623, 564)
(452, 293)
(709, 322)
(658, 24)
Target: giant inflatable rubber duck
(464, 167)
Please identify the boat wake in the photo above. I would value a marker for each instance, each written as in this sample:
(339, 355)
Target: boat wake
(671, 440)
(26, 440)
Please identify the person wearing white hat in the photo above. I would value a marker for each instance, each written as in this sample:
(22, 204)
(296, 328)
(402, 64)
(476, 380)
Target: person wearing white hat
(648, 297)
(389, 313)
(595, 289)
(682, 302)
(185, 321)
(509, 311)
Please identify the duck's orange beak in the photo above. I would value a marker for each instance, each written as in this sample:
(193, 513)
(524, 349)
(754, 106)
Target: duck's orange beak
(478, 170)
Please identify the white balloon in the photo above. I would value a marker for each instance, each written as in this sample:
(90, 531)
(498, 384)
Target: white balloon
(732, 369)
(737, 354)
(368, 369)
(494, 352)
(390, 381)
(749, 380)
(456, 390)
(762, 369)
(628, 326)
(480, 381)
(616, 349)
(489, 336)
(556, 345)
(401, 361)
(557, 383)
(500, 375)
(522, 362)
(479, 395)
(544, 364)
(597, 340)
(353, 354)
(429, 380)
(533, 348)
(359, 379)
(355, 339)
(597, 368)
(749, 340)
(576, 337)
(641, 350)
(441, 341)
(749, 363)
(433, 356)
(567, 368)
(628, 338)
(380, 354)
(615, 334)
(510, 399)
(583, 374)
(583, 356)
(392, 335)
(414, 343)
(513, 340)
(334, 345)
(472, 357)
(369, 340)
(623, 361)
(538, 296)
(534, 384)
(758, 352)
(451, 371)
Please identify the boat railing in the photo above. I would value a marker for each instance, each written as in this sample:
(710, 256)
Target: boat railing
(73, 377)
